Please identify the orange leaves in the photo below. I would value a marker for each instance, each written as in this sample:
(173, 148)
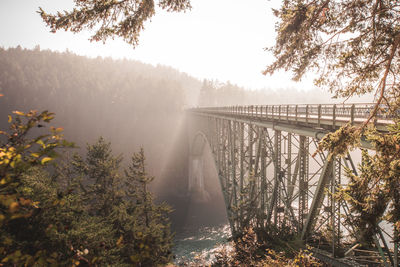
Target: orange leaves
(20, 113)
(56, 130)
(323, 13)
(119, 241)
(14, 207)
(25, 202)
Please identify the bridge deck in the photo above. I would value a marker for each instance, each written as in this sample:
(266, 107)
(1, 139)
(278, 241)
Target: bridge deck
(328, 117)
(270, 178)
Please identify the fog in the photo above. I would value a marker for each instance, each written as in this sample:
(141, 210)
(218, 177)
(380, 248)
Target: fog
(133, 105)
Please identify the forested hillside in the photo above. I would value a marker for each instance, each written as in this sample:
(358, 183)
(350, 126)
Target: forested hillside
(129, 103)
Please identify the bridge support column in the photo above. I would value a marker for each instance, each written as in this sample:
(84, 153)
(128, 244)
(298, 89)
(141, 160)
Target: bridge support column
(396, 249)
(196, 179)
(259, 194)
(326, 175)
(278, 174)
(232, 172)
(241, 182)
(303, 180)
(263, 184)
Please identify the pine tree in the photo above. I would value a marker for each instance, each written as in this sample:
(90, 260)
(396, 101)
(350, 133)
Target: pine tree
(151, 240)
(101, 15)
(100, 177)
(354, 47)
(138, 230)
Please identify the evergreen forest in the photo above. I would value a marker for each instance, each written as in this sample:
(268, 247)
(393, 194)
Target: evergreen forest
(68, 196)
(82, 140)
(129, 103)
(94, 152)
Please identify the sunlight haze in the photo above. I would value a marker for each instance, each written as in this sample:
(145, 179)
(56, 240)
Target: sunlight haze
(222, 40)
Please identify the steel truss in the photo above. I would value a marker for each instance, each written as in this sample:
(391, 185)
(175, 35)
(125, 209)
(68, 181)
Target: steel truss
(271, 180)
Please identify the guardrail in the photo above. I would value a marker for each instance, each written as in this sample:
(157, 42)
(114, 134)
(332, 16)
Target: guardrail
(335, 114)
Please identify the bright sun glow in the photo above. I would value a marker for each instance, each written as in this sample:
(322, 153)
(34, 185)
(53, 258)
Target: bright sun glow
(222, 40)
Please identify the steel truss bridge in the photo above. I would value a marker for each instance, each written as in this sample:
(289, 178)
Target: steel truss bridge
(269, 178)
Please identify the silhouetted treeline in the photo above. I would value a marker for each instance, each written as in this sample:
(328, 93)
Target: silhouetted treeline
(128, 102)
(215, 93)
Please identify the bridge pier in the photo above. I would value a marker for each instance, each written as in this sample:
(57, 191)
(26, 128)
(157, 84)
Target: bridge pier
(271, 180)
(196, 187)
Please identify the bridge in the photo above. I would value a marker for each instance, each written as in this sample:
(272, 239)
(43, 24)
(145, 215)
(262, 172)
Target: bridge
(270, 178)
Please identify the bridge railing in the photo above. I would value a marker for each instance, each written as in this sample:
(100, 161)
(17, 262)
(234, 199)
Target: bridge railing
(332, 113)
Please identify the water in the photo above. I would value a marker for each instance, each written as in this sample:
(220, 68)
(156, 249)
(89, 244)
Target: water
(198, 246)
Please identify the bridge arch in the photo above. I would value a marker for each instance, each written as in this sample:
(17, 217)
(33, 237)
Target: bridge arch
(199, 145)
(204, 184)
(265, 160)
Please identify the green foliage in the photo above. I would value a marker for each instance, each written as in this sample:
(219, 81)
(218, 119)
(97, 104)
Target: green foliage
(351, 44)
(80, 212)
(99, 170)
(63, 226)
(123, 18)
(20, 153)
(137, 230)
(338, 143)
(374, 194)
(152, 241)
(248, 251)
(78, 89)
(354, 47)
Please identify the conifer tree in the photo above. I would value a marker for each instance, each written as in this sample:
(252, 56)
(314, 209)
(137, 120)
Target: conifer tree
(138, 230)
(123, 18)
(100, 176)
(152, 240)
(354, 47)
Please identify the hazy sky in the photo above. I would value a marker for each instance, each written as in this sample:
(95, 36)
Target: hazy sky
(217, 39)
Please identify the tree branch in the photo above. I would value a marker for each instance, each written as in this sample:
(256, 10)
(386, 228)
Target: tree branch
(382, 83)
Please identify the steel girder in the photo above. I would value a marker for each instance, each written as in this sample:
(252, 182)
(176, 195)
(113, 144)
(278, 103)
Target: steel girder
(270, 179)
(267, 176)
